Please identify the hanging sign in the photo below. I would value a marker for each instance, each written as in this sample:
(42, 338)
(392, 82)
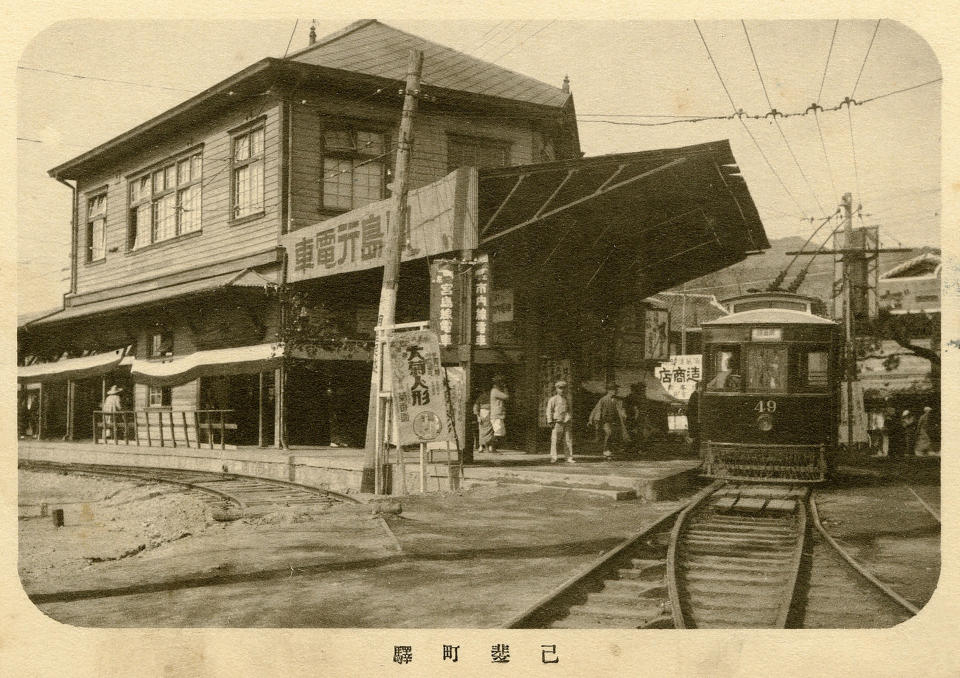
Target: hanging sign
(680, 374)
(443, 218)
(481, 301)
(419, 394)
(445, 289)
(656, 334)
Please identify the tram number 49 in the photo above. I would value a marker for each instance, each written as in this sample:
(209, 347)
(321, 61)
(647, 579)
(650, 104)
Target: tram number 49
(765, 406)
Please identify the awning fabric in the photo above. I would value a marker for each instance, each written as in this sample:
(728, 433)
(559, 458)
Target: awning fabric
(658, 217)
(219, 362)
(71, 368)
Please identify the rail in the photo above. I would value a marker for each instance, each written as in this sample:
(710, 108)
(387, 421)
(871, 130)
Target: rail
(163, 428)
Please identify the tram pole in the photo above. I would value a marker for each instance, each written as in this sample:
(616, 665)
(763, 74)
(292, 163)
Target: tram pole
(851, 364)
(393, 247)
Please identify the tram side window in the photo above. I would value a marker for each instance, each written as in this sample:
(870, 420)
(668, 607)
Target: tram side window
(812, 369)
(724, 372)
(766, 368)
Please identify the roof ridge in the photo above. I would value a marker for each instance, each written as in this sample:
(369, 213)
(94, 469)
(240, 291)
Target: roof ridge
(336, 35)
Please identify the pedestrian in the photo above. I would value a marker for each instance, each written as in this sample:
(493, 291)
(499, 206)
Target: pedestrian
(635, 407)
(923, 446)
(111, 405)
(607, 415)
(893, 429)
(909, 424)
(498, 411)
(693, 418)
(559, 416)
(481, 410)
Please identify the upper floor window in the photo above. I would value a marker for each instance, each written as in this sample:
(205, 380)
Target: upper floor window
(354, 168)
(165, 202)
(247, 179)
(476, 152)
(161, 345)
(96, 227)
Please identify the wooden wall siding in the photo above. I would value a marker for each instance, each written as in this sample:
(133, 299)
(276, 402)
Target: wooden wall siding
(429, 159)
(182, 397)
(218, 241)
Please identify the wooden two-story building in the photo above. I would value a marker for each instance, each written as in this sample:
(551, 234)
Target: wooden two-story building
(178, 287)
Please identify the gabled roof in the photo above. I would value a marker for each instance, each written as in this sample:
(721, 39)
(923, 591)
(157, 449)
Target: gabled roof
(698, 308)
(924, 265)
(373, 48)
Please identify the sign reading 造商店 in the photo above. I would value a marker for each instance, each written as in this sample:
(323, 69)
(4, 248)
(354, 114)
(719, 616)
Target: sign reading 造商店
(443, 218)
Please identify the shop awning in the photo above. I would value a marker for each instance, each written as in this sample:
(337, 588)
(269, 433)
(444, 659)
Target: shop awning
(71, 368)
(660, 217)
(219, 362)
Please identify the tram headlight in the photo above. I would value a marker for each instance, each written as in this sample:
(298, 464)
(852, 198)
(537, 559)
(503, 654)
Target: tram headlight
(765, 422)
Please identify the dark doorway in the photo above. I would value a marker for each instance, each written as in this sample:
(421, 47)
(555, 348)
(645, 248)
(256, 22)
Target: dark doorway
(326, 402)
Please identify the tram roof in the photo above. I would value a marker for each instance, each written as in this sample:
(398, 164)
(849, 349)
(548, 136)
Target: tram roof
(769, 316)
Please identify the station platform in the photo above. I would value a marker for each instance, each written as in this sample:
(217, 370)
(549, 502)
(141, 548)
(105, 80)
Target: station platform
(340, 469)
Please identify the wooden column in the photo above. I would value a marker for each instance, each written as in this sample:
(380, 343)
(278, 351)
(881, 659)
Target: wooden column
(71, 402)
(260, 409)
(469, 423)
(531, 367)
(40, 405)
(279, 440)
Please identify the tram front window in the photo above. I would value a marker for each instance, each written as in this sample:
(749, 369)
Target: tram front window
(766, 368)
(725, 369)
(812, 368)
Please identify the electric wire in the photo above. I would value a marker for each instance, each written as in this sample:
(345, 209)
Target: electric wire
(826, 65)
(290, 41)
(865, 57)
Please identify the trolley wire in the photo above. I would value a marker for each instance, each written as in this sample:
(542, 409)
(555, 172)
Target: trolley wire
(865, 57)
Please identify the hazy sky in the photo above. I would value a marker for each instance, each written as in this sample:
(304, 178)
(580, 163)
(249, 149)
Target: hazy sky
(618, 71)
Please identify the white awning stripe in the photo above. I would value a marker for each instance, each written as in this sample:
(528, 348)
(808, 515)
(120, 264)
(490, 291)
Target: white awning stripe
(71, 368)
(219, 362)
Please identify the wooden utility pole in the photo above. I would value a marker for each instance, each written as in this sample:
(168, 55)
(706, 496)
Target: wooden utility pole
(391, 260)
(850, 363)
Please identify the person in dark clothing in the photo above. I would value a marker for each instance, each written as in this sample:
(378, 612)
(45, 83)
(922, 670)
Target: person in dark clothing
(894, 430)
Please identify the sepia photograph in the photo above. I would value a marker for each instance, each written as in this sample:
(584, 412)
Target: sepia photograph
(480, 324)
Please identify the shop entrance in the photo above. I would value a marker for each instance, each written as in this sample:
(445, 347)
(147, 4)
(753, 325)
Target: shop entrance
(326, 402)
(242, 393)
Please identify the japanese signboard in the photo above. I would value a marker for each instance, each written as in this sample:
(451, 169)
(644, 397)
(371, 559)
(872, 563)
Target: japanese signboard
(680, 374)
(445, 300)
(482, 284)
(656, 334)
(419, 394)
(501, 315)
(443, 217)
(456, 385)
(552, 371)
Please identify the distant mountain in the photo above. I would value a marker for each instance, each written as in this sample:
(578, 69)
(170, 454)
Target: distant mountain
(758, 271)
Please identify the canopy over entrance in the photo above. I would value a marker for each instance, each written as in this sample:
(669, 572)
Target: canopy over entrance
(658, 217)
(219, 362)
(71, 368)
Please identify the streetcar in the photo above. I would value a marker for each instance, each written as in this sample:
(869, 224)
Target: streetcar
(769, 404)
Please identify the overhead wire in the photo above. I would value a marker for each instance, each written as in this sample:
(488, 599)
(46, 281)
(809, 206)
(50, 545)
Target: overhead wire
(783, 274)
(816, 117)
(78, 76)
(865, 57)
(290, 41)
(777, 122)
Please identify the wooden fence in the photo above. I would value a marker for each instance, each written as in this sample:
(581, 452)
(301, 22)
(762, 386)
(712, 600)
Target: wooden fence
(164, 428)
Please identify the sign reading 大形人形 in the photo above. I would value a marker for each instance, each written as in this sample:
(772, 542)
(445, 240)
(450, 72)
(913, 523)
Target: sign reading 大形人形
(419, 394)
(680, 374)
(443, 217)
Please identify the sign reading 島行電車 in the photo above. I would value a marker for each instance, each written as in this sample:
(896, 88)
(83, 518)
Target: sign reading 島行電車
(419, 394)
(443, 218)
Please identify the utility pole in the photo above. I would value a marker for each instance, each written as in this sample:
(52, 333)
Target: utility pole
(393, 248)
(850, 366)
(683, 322)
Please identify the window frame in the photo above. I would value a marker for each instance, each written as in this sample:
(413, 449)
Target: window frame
(746, 365)
(165, 394)
(352, 128)
(710, 372)
(89, 220)
(193, 157)
(165, 337)
(503, 145)
(800, 352)
(258, 160)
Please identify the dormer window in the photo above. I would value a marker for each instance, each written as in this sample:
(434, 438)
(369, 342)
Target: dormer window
(96, 227)
(165, 202)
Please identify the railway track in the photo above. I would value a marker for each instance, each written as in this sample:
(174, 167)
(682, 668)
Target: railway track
(735, 556)
(229, 494)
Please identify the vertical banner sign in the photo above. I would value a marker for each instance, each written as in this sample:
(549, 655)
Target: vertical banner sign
(419, 394)
(552, 371)
(456, 381)
(501, 315)
(656, 334)
(680, 374)
(445, 281)
(481, 301)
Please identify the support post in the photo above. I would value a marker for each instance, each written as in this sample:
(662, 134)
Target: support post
(851, 360)
(391, 257)
(259, 409)
(71, 398)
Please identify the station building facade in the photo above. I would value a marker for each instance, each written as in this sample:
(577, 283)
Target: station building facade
(182, 292)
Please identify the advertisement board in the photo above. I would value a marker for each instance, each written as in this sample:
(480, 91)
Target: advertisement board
(419, 392)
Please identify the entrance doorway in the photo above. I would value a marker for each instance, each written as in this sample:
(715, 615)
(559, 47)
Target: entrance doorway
(326, 402)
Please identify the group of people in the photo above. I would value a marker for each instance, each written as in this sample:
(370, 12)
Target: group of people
(906, 435)
(619, 420)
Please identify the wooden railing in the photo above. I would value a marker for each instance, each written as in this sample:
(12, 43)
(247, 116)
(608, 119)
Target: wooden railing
(163, 428)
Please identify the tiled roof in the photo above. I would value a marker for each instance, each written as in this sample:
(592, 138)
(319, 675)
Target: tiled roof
(699, 308)
(373, 48)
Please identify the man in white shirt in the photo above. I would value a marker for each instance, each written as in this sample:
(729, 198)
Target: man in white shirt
(559, 415)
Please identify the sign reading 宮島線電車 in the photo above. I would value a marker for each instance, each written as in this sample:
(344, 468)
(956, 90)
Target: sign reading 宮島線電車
(680, 374)
(445, 300)
(443, 218)
(419, 394)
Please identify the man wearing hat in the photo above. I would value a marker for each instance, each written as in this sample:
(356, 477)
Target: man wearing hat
(111, 405)
(560, 417)
(608, 416)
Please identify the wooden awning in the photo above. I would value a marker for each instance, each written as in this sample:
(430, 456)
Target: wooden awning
(668, 215)
(71, 368)
(219, 362)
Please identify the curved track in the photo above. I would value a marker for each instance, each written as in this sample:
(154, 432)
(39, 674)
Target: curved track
(735, 556)
(232, 495)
